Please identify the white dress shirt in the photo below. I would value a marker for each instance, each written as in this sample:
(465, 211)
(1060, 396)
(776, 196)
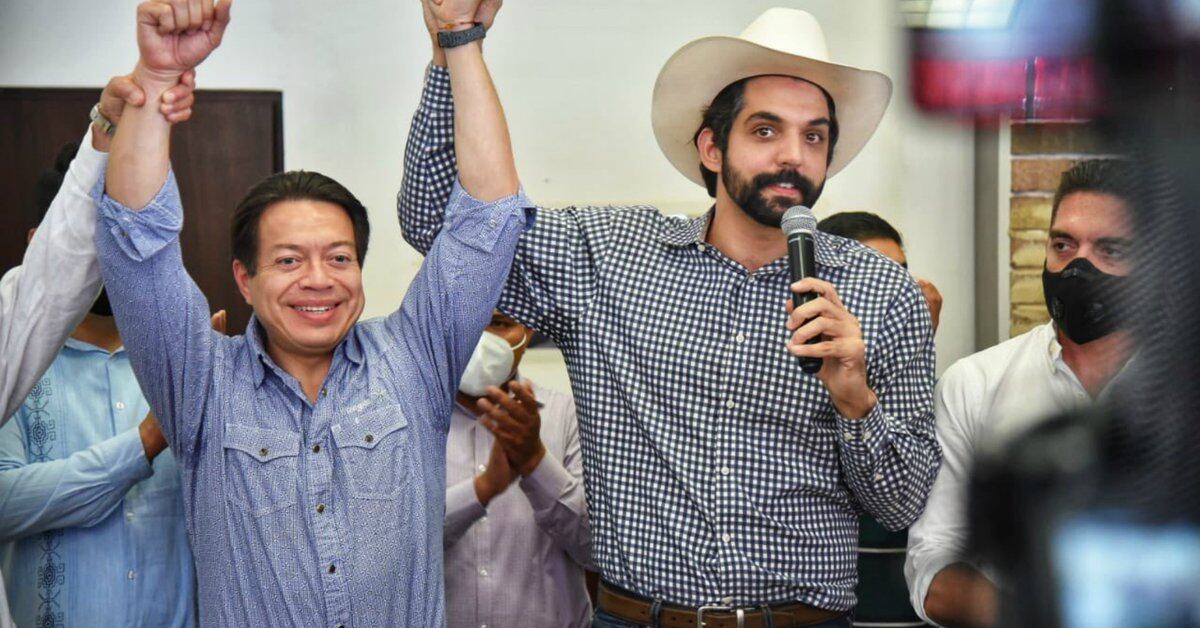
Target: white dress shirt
(519, 562)
(983, 398)
(46, 297)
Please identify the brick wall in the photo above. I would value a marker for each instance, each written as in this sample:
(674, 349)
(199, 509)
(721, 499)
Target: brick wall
(1041, 151)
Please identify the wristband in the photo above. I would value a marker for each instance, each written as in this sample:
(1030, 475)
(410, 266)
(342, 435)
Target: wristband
(451, 39)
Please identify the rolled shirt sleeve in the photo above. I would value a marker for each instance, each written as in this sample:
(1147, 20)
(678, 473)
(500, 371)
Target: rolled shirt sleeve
(163, 316)
(451, 299)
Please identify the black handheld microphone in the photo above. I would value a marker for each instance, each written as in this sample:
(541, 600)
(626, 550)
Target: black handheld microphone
(798, 225)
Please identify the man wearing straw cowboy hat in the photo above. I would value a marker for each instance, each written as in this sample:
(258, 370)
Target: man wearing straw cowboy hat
(724, 483)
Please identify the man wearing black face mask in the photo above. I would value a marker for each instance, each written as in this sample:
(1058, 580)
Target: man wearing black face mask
(1053, 368)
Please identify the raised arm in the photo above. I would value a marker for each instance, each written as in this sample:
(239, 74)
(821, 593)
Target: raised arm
(555, 272)
(483, 147)
(430, 168)
(45, 297)
(171, 42)
(451, 299)
(164, 319)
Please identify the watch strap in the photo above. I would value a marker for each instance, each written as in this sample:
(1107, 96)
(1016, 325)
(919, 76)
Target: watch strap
(453, 39)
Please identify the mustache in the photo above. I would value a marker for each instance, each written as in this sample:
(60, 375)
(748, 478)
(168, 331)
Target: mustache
(802, 183)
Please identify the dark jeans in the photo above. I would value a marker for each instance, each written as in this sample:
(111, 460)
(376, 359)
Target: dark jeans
(603, 620)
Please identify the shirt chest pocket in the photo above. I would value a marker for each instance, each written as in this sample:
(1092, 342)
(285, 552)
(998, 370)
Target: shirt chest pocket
(261, 473)
(374, 451)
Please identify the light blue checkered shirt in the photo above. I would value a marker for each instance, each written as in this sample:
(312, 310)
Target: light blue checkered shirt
(309, 514)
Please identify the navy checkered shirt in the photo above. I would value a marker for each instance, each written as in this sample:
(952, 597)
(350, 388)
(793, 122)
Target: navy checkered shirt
(715, 469)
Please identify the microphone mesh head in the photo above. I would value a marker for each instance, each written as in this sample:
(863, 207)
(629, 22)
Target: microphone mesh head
(798, 218)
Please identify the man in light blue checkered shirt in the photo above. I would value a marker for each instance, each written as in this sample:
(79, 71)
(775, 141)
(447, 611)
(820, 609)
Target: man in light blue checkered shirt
(717, 471)
(312, 449)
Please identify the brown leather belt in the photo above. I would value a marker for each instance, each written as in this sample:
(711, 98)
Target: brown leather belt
(637, 610)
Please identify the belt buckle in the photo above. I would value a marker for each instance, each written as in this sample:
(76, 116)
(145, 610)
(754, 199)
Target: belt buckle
(720, 608)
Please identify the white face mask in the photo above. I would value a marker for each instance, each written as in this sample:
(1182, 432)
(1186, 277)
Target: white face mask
(491, 364)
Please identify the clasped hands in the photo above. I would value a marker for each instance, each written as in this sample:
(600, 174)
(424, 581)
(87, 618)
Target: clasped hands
(518, 449)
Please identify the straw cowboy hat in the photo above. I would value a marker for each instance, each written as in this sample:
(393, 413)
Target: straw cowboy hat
(781, 41)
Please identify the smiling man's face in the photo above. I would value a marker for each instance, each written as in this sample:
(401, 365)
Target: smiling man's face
(778, 151)
(307, 289)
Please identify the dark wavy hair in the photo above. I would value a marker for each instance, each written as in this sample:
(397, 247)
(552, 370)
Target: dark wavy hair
(296, 185)
(1104, 176)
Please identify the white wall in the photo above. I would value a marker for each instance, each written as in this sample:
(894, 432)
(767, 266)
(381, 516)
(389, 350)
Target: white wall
(576, 77)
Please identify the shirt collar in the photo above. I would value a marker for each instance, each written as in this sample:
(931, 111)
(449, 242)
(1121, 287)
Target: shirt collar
(678, 233)
(350, 348)
(1054, 349)
(87, 347)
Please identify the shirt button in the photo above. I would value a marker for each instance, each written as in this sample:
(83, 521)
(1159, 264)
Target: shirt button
(700, 247)
(740, 338)
(878, 477)
(483, 573)
(129, 516)
(727, 537)
(131, 575)
(317, 448)
(481, 468)
(120, 405)
(263, 452)
(730, 404)
(332, 568)
(370, 438)
(848, 436)
(866, 434)
(483, 519)
(726, 471)
(320, 508)
(324, 392)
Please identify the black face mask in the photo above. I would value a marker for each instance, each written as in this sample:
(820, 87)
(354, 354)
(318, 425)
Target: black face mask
(102, 307)
(1085, 302)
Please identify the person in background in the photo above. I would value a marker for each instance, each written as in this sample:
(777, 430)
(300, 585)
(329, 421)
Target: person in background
(882, 596)
(47, 296)
(515, 555)
(1059, 366)
(875, 232)
(91, 516)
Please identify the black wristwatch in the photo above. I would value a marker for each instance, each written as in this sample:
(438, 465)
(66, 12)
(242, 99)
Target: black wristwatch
(452, 39)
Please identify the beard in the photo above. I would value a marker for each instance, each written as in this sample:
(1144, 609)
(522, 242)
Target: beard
(751, 195)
